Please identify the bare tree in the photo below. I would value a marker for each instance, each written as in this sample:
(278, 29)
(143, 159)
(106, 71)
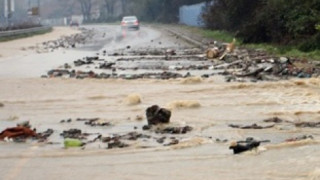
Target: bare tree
(109, 5)
(86, 6)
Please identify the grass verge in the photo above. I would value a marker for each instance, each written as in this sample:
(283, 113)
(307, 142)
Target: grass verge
(280, 50)
(20, 36)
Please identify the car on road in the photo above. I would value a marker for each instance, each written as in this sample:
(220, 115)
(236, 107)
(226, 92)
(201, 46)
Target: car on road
(130, 22)
(74, 23)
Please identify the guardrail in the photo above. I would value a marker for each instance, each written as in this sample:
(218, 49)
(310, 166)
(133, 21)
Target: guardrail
(23, 31)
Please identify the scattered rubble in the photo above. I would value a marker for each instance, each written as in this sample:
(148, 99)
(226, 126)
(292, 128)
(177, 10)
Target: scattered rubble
(299, 138)
(94, 122)
(308, 124)
(274, 120)
(43, 136)
(74, 134)
(253, 126)
(71, 41)
(174, 130)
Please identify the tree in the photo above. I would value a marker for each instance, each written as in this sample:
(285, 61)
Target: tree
(86, 6)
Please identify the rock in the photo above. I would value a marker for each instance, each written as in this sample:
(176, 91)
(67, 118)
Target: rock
(239, 148)
(116, 144)
(173, 142)
(175, 130)
(1, 104)
(43, 136)
(73, 134)
(146, 127)
(156, 115)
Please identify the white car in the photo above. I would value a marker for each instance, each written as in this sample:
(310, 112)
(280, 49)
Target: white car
(130, 22)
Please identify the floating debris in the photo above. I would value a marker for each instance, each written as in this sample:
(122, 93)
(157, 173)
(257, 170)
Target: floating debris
(247, 145)
(74, 134)
(308, 124)
(69, 143)
(174, 130)
(17, 133)
(156, 115)
(253, 126)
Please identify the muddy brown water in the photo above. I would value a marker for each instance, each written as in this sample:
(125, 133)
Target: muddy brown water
(208, 105)
(47, 101)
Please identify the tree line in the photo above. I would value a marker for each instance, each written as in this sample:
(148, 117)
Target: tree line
(293, 22)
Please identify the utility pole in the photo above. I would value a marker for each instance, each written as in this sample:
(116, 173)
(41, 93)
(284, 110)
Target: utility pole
(9, 8)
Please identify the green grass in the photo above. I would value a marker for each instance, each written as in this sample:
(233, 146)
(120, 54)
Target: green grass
(218, 35)
(20, 36)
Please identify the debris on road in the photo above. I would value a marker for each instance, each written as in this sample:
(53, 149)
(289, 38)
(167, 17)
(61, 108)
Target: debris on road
(308, 124)
(74, 134)
(299, 138)
(274, 120)
(17, 133)
(69, 142)
(253, 126)
(43, 136)
(213, 53)
(71, 41)
(247, 145)
(174, 130)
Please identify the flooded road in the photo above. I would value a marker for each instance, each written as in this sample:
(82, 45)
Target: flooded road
(208, 105)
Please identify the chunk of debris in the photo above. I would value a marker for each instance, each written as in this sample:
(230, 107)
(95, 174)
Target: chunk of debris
(175, 130)
(43, 136)
(253, 126)
(17, 132)
(116, 144)
(308, 124)
(247, 145)
(274, 120)
(172, 142)
(156, 115)
(69, 142)
(212, 53)
(74, 134)
(1, 104)
(299, 138)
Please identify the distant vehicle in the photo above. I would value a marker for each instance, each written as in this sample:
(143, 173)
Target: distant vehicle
(74, 23)
(130, 22)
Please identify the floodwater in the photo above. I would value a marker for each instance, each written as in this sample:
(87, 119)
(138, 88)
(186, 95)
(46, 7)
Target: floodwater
(199, 155)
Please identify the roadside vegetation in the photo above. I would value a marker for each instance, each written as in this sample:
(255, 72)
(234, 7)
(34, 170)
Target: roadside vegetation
(290, 28)
(25, 35)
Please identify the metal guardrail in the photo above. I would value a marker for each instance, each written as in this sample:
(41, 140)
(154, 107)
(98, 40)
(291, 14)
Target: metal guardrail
(23, 31)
